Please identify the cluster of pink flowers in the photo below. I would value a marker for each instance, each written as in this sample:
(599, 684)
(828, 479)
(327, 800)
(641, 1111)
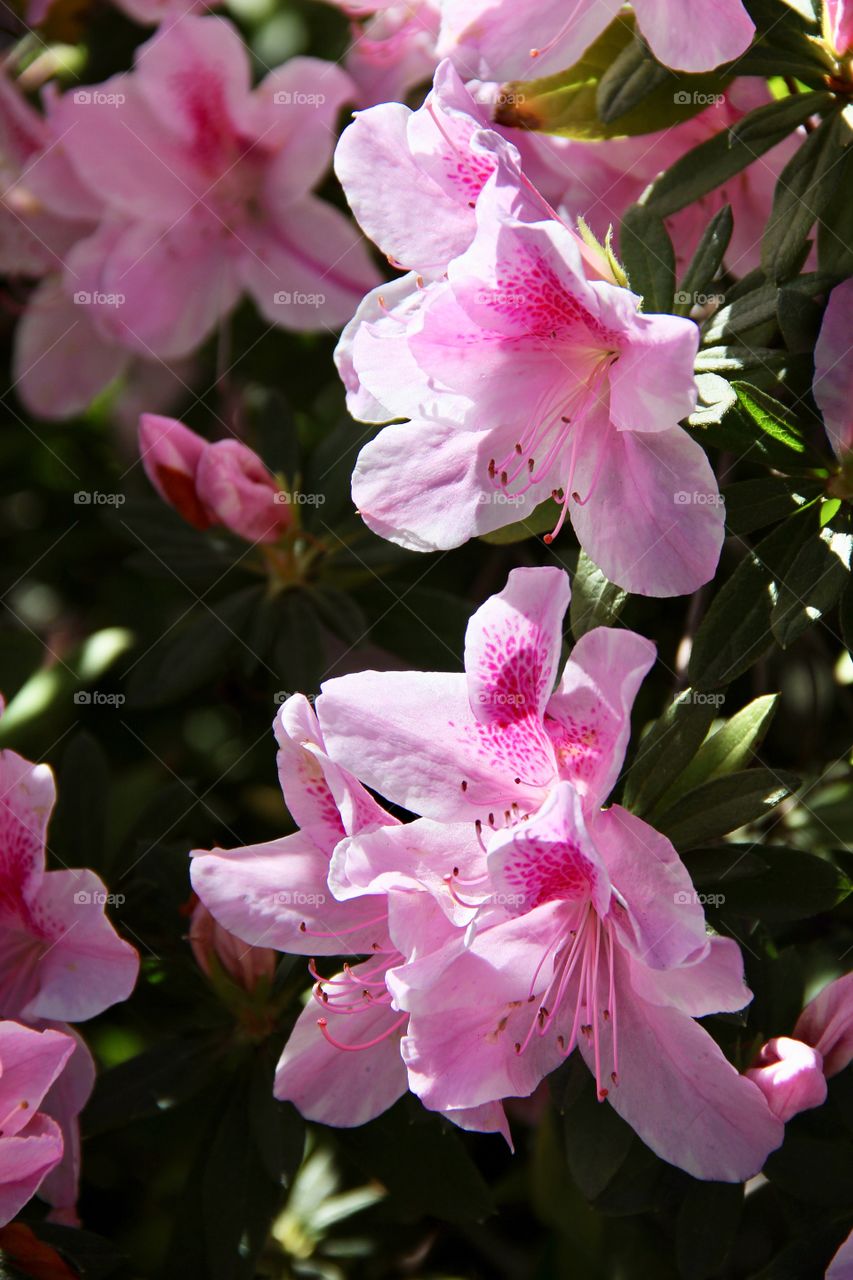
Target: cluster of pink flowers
(150, 203)
(514, 919)
(61, 962)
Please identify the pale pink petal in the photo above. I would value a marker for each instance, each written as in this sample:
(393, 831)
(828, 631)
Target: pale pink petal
(276, 895)
(64, 1102)
(651, 384)
(343, 1087)
(297, 108)
(489, 1118)
(671, 30)
(826, 1023)
(372, 310)
(86, 966)
(30, 1063)
(790, 1075)
(494, 41)
(589, 716)
(677, 1091)
(833, 382)
(656, 524)
(469, 1011)
(308, 268)
(838, 24)
(662, 922)
(513, 646)
(841, 1266)
(712, 984)
(24, 1161)
(60, 363)
(27, 797)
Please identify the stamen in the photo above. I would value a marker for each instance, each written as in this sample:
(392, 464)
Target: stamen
(368, 1044)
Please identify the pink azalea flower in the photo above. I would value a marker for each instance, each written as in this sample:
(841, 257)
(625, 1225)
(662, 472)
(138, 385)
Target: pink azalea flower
(792, 1072)
(60, 957)
(833, 383)
(503, 40)
(524, 380)
(838, 25)
(207, 192)
(393, 46)
(30, 1141)
(841, 1266)
(63, 1102)
(342, 1062)
(583, 926)
(224, 483)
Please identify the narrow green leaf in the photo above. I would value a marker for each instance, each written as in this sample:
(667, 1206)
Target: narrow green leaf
(786, 113)
(630, 78)
(705, 263)
(733, 321)
(596, 602)
(835, 232)
(772, 882)
(804, 190)
(752, 504)
(649, 258)
(664, 750)
(736, 631)
(724, 751)
(814, 581)
(724, 804)
(540, 521)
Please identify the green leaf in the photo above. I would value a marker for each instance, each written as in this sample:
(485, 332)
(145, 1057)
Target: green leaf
(671, 741)
(648, 258)
(194, 653)
(724, 751)
(771, 418)
(706, 1227)
(835, 231)
(340, 612)
(706, 167)
(567, 103)
(540, 521)
(78, 830)
(772, 883)
(706, 262)
(724, 804)
(738, 360)
(814, 581)
(752, 504)
(277, 1128)
(732, 322)
(597, 1140)
(629, 79)
(845, 616)
(299, 649)
(799, 319)
(736, 630)
(805, 187)
(596, 602)
(149, 1084)
(786, 113)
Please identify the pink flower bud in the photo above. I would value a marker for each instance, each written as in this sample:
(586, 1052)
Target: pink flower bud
(827, 1023)
(239, 492)
(241, 961)
(170, 455)
(790, 1075)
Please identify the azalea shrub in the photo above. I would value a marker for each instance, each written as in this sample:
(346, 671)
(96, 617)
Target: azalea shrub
(426, 781)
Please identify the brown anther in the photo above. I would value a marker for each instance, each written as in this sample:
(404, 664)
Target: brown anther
(518, 1046)
(576, 496)
(303, 928)
(614, 1077)
(464, 785)
(530, 465)
(605, 1013)
(561, 1042)
(492, 469)
(519, 450)
(602, 1094)
(504, 477)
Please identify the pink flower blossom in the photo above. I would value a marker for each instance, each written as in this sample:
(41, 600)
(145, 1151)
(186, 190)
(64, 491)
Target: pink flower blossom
(31, 1142)
(207, 191)
(583, 929)
(841, 1266)
(393, 46)
(60, 957)
(342, 1062)
(523, 380)
(833, 382)
(224, 483)
(63, 1102)
(838, 25)
(503, 40)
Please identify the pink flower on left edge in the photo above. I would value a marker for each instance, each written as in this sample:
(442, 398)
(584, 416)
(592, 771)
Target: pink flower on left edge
(31, 1142)
(60, 958)
(523, 380)
(207, 186)
(833, 380)
(582, 929)
(224, 483)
